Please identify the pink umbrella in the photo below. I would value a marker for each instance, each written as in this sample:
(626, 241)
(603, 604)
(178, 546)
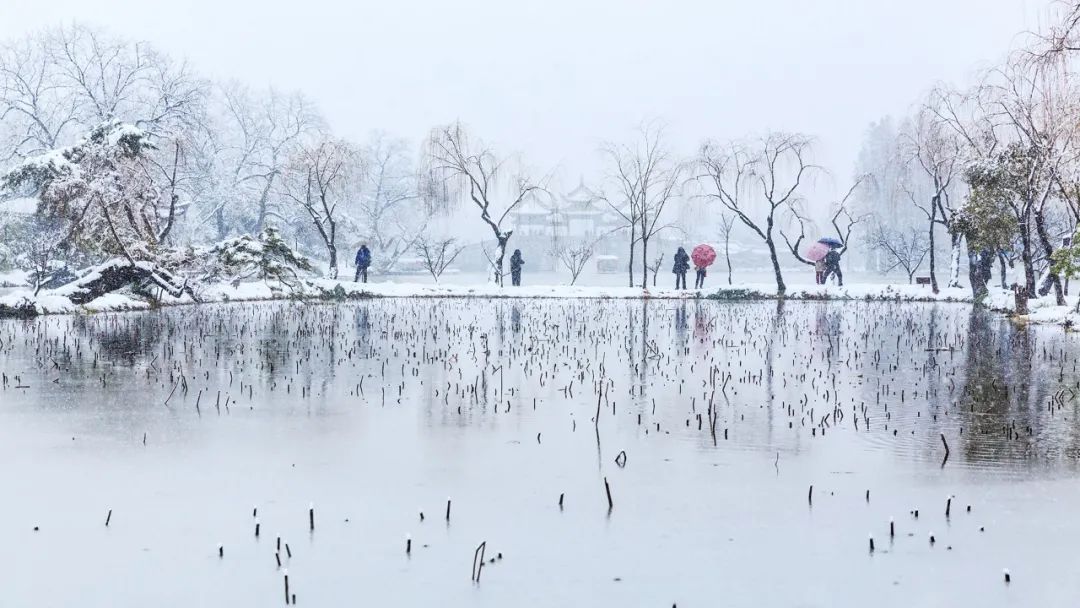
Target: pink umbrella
(817, 252)
(703, 256)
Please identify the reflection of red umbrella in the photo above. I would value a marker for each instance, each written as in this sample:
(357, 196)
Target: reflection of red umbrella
(817, 252)
(703, 256)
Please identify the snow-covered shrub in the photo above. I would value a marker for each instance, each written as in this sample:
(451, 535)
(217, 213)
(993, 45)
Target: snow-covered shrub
(233, 260)
(100, 191)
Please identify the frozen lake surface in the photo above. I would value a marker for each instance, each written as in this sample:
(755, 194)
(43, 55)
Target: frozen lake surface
(182, 422)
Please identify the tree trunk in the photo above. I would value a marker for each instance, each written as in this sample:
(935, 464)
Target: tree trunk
(1026, 256)
(114, 275)
(979, 264)
(933, 218)
(503, 240)
(630, 265)
(727, 258)
(1052, 278)
(332, 250)
(644, 262)
(781, 289)
(219, 220)
(955, 239)
(264, 206)
(1001, 260)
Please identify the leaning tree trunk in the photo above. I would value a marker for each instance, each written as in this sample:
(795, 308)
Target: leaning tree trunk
(118, 274)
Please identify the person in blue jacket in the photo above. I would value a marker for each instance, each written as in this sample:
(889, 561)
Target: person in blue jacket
(516, 262)
(363, 260)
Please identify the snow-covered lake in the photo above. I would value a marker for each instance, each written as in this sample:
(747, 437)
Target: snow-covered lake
(184, 421)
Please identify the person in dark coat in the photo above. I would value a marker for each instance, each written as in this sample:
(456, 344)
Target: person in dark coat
(516, 262)
(363, 261)
(832, 266)
(682, 266)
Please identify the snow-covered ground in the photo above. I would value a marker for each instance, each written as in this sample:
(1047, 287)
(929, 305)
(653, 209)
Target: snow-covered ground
(55, 302)
(13, 278)
(1042, 310)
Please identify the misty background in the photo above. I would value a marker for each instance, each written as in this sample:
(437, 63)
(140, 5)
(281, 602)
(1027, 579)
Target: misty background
(549, 85)
(554, 79)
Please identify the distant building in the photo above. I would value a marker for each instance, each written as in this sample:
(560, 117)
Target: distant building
(544, 223)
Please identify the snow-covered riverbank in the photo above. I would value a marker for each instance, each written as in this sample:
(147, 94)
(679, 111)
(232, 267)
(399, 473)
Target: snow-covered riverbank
(22, 302)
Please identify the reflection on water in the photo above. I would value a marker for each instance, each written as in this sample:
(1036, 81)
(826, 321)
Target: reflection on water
(726, 412)
(874, 376)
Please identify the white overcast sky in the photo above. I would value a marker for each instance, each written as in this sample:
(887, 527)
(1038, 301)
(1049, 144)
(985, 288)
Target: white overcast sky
(552, 79)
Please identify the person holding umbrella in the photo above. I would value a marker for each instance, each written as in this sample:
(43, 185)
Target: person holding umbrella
(703, 257)
(832, 261)
(816, 254)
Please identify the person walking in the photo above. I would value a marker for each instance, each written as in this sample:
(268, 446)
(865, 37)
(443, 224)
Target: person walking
(682, 265)
(832, 266)
(819, 271)
(516, 262)
(363, 261)
(699, 280)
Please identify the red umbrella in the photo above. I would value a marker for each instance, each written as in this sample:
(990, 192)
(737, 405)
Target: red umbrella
(817, 252)
(703, 256)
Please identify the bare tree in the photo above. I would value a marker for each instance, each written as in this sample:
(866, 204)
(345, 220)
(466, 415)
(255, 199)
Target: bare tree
(391, 212)
(647, 177)
(757, 181)
(453, 158)
(436, 254)
(317, 183)
(935, 150)
(727, 224)
(1062, 37)
(283, 121)
(574, 258)
(843, 221)
(654, 267)
(37, 116)
(59, 82)
(904, 248)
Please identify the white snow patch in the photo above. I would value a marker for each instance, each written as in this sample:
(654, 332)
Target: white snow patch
(19, 206)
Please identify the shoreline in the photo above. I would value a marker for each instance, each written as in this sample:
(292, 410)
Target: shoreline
(23, 304)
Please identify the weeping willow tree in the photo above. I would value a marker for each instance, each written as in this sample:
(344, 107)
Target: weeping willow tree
(461, 169)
